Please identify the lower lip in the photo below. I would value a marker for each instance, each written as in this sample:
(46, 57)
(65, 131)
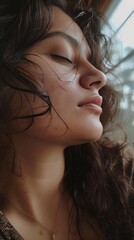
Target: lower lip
(92, 106)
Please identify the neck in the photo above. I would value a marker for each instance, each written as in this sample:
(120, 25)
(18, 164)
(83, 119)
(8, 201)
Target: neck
(38, 190)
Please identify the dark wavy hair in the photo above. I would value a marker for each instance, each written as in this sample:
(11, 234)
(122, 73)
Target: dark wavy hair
(95, 176)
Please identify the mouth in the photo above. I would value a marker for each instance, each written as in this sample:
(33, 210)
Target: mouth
(93, 103)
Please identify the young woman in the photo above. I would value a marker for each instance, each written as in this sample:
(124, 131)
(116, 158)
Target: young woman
(60, 177)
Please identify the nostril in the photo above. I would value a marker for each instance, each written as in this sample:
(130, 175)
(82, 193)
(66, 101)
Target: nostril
(95, 83)
(90, 82)
(93, 78)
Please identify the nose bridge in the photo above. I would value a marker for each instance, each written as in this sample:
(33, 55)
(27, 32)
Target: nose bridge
(92, 77)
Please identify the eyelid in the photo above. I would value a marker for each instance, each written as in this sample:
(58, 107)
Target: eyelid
(62, 57)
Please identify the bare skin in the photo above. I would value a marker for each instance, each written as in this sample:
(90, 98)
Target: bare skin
(35, 199)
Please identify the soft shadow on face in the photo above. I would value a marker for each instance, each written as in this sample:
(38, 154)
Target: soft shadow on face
(64, 73)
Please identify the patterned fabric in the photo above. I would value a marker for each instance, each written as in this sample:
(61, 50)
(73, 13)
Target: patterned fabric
(7, 231)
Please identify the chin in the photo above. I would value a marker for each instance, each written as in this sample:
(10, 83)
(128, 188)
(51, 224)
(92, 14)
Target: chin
(85, 139)
(95, 136)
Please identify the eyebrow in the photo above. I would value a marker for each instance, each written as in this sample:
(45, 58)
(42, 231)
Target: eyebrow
(67, 37)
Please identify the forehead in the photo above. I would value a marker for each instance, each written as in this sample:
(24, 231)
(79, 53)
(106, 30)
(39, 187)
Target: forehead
(63, 22)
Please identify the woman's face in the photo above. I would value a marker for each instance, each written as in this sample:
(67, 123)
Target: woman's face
(71, 82)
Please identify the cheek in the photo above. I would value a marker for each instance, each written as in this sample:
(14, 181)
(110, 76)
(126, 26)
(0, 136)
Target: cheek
(49, 128)
(23, 109)
(24, 105)
(62, 91)
(51, 73)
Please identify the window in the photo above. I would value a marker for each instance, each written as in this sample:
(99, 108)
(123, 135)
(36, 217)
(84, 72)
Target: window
(121, 18)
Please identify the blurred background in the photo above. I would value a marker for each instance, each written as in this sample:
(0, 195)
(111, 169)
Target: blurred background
(120, 16)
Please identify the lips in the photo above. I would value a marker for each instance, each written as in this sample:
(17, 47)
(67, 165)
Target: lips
(93, 103)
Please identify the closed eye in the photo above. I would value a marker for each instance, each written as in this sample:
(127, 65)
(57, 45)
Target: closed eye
(61, 58)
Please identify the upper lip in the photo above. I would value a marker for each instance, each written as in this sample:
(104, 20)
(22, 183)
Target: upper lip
(96, 99)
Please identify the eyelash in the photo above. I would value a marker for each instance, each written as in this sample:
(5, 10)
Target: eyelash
(61, 57)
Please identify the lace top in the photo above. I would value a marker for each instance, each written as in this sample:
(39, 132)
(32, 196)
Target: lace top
(7, 231)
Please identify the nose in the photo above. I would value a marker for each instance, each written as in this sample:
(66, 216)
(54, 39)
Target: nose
(91, 77)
